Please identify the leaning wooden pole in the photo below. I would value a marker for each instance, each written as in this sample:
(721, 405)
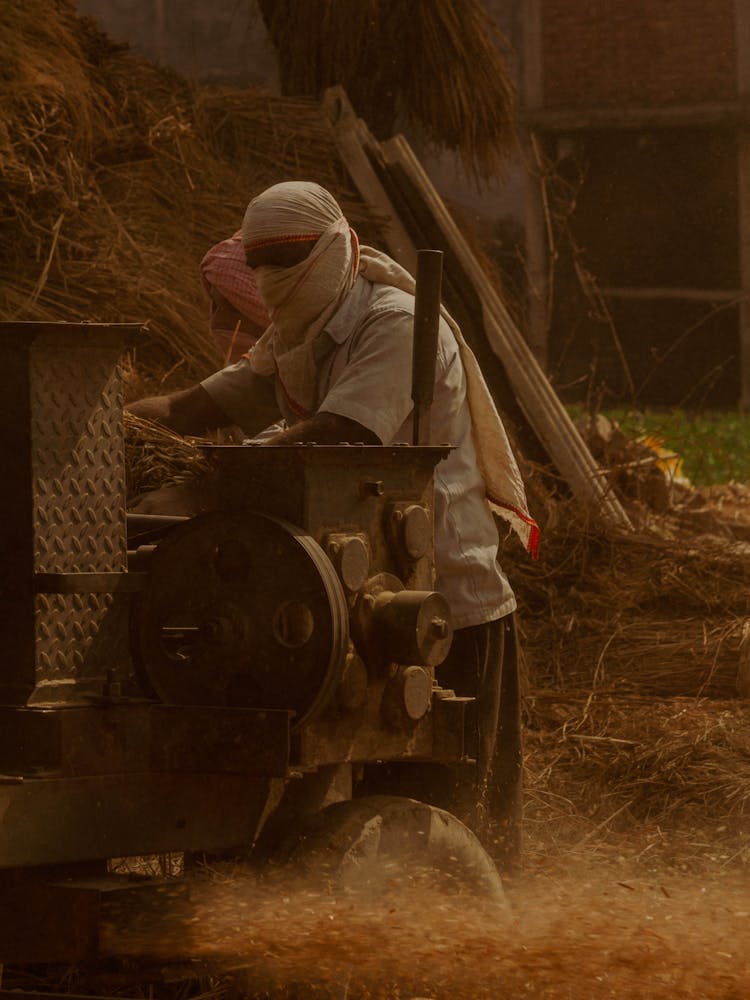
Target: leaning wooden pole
(537, 399)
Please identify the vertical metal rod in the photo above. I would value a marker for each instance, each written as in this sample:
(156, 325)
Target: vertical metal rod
(426, 322)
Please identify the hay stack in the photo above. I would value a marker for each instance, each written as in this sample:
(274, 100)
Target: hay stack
(637, 647)
(440, 66)
(116, 176)
(660, 611)
(599, 768)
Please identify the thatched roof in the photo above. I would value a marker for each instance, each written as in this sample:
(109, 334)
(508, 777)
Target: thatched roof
(437, 65)
(116, 176)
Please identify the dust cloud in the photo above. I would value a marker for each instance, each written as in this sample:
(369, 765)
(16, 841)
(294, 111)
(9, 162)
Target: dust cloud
(591, 931)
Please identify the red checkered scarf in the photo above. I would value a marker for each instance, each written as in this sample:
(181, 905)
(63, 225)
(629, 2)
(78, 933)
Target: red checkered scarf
(224, 269)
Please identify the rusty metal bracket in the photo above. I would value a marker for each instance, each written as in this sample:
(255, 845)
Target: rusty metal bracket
(140, 737)
(46, 917)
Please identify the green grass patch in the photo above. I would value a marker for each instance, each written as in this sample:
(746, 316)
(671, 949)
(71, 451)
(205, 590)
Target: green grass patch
(714, 446)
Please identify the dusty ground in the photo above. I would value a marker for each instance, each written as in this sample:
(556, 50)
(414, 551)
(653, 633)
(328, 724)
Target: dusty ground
(589, 928)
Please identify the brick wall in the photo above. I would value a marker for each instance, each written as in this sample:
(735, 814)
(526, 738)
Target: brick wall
(609, 53)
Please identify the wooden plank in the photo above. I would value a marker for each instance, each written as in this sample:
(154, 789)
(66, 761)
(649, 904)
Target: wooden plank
(543, 410)
(535, 222)
(424, 232)
(346, 131)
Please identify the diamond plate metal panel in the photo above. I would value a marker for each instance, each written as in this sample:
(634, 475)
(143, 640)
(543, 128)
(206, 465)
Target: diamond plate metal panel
(78, 461)
(78, 488)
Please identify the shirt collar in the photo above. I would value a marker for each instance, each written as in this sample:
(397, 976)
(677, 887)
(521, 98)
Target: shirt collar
(341, 325)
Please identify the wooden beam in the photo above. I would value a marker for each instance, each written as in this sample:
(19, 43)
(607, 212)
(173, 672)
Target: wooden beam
(347, 130)
(680, 294)
(730, 114)
(537, 236)
(532, 80)
(742, 47)
(542, 408)
(535, 228)
(538, 401)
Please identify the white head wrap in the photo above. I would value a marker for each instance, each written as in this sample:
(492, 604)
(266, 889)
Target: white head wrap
(301, 300)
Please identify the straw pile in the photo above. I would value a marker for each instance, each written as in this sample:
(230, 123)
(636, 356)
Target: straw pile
(440, 66)
(660, 611)
(116, 176)
(636, 649)
(667, 776)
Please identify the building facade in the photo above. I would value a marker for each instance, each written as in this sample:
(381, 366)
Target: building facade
(636, 112)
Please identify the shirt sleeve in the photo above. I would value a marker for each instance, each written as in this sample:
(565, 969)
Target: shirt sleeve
(233, 390)
(374, 387)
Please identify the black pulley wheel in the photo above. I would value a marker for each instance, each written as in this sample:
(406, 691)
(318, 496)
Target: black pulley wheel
(242, 612)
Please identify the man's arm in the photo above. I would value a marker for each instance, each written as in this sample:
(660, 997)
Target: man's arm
(241, 398)
(325, 428)
(188, 411)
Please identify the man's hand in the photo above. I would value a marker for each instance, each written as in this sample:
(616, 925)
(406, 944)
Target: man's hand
(325, 428)
(188, 411)
(237, 396)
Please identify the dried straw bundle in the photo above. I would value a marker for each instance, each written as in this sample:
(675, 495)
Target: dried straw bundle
(116, 176)
(658, 656)
(658, 611)
(279, 134)
(438, 64)
(603, 765)
(49, 111)
(155, 456)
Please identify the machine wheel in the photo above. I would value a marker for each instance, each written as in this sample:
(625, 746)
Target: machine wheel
(453, 787)
(241, 611)
(378, 841)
